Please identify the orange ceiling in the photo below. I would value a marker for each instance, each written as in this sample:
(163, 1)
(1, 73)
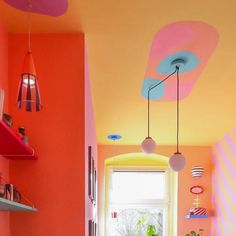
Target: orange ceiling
(119, 36)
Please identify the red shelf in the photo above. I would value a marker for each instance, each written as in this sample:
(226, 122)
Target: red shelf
(11, 145)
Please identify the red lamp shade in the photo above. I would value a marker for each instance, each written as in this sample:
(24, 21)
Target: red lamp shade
(28, 93)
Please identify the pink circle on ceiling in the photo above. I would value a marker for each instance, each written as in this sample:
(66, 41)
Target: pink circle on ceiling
(45, 7)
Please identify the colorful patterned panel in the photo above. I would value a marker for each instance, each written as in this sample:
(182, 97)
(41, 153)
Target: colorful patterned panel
(193, 43)
(223, 186)
(46, 7)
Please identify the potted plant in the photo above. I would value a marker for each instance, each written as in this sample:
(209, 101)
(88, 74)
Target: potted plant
(194, 233)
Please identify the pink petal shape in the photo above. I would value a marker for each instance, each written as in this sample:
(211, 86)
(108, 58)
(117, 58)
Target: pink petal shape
(45, 7)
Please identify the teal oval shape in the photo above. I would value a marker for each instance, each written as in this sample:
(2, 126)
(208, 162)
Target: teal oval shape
(168, 65)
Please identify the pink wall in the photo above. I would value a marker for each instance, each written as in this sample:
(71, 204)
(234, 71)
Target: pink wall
(4, 163)
(223, 186)
(90, 140)
(194, 156)
(55, 183)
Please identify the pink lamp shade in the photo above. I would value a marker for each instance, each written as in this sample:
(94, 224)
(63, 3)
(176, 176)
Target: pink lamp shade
(148, 145)
(177, 162)
(28, 93)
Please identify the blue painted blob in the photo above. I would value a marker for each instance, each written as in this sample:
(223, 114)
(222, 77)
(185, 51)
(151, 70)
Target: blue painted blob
(114, 136)
(166, 67)
(155, 93)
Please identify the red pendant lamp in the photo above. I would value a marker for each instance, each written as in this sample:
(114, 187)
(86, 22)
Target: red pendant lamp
(28, 93)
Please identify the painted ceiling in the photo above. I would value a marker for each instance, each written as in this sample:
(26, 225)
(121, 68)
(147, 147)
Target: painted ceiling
(119, 37)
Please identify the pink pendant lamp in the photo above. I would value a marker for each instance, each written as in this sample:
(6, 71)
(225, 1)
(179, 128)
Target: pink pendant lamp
(28, 93)
(177, 160)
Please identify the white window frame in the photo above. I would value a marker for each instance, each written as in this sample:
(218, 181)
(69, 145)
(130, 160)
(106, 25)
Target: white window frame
(168, 204)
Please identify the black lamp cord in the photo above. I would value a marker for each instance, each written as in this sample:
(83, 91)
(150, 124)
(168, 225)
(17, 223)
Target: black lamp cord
(29, 5)
(177, 111)
(154, 86)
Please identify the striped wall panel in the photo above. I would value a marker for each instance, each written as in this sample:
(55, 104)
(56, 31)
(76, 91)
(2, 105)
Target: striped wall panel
(224, 186)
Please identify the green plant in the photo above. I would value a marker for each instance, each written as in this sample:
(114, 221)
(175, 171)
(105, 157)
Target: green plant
(194, 233)
(151, 231)
(141, 221)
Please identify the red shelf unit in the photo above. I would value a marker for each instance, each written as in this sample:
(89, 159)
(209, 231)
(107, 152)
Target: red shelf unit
(11, 145)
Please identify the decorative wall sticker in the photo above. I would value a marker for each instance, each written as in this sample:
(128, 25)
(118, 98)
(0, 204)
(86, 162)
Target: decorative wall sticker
(45, 7)
(196, 211)
(196, 189)
(197, 171)
(190, 42)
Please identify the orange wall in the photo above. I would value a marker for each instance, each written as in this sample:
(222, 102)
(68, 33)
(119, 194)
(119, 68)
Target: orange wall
(4, 163)
(223, 186)
(55, 182)
(194, 156)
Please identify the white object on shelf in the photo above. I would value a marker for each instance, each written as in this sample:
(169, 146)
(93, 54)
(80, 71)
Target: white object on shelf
(7, 205)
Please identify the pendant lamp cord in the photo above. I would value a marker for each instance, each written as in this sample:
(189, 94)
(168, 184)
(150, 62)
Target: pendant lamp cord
(149, 90)
(177, 109)
(29, 4)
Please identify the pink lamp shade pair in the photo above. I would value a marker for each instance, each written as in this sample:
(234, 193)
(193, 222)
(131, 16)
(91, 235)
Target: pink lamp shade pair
(176, 161)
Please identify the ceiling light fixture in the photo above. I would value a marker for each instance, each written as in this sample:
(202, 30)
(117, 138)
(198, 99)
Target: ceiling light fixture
(177, 160)
(28, 92)
(148, 145)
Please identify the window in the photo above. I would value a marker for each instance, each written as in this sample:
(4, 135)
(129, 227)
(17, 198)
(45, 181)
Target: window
(138, 201)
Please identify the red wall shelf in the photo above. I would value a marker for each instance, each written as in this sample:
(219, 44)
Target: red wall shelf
(11, 145)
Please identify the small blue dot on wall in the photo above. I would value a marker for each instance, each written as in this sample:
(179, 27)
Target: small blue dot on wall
(114, 136)
(166, 67)
(155, 93)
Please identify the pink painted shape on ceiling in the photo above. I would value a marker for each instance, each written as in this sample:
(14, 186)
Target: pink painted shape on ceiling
(45, 7)
(196, 37)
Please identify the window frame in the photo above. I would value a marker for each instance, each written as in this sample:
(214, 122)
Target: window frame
(167, 205)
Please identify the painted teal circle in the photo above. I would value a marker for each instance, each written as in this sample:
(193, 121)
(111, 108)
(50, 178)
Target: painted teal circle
(155, 93)
(191, 61)
(114, 136)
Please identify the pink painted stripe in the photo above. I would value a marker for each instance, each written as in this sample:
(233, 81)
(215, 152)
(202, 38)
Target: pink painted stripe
(223, 221)
(225, 183)
(226, 160)
(216, 229)
(220, 193)
(231, 144)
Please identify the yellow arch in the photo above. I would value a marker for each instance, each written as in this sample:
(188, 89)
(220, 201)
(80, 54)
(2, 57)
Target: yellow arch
(137, 159)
